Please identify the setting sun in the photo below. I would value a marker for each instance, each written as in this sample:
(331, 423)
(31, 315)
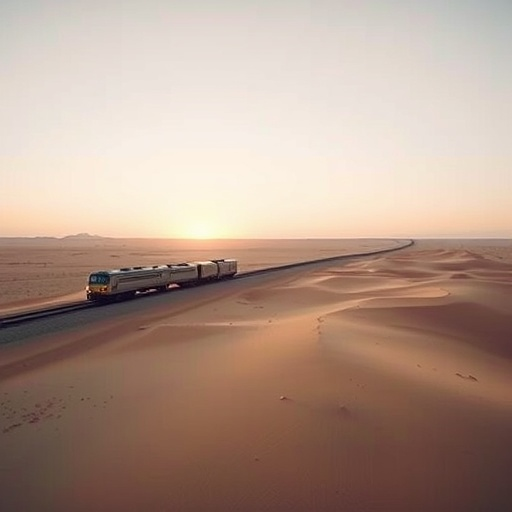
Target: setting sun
(201, 230)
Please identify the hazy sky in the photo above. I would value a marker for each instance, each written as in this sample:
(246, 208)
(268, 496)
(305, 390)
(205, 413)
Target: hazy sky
(256, 118)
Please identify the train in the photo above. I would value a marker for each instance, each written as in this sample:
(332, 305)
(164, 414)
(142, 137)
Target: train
(123, 283)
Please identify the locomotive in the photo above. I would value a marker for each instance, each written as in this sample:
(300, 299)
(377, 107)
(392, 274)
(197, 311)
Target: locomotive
(126, 282)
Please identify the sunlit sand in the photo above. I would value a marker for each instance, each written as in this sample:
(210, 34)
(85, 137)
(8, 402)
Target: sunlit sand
(378, 384)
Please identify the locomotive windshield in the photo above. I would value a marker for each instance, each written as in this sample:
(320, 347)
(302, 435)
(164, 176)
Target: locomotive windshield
(98, 279)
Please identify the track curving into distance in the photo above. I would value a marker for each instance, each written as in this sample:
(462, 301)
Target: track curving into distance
(30, 316)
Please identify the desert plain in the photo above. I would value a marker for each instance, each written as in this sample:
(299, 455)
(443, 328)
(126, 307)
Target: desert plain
(382, 383)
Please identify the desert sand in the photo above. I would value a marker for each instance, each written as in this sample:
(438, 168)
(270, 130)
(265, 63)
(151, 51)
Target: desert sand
(381, 384)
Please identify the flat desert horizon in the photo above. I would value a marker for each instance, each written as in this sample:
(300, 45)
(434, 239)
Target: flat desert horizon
(376, 384)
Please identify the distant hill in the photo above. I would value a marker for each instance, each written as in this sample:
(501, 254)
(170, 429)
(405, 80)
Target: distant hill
(82, 236)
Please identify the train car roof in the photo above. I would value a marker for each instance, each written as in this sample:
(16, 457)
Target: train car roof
(126, 270)
(133, 270)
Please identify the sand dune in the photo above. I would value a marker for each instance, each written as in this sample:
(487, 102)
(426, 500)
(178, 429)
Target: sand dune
(382, 384)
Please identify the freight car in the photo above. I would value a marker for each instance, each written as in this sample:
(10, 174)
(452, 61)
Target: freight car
(127, 282)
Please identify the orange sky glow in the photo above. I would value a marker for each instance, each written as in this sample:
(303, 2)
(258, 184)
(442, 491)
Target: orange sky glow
(255, 120)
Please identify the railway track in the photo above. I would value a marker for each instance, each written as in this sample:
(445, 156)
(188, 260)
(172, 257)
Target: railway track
(29, 316)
